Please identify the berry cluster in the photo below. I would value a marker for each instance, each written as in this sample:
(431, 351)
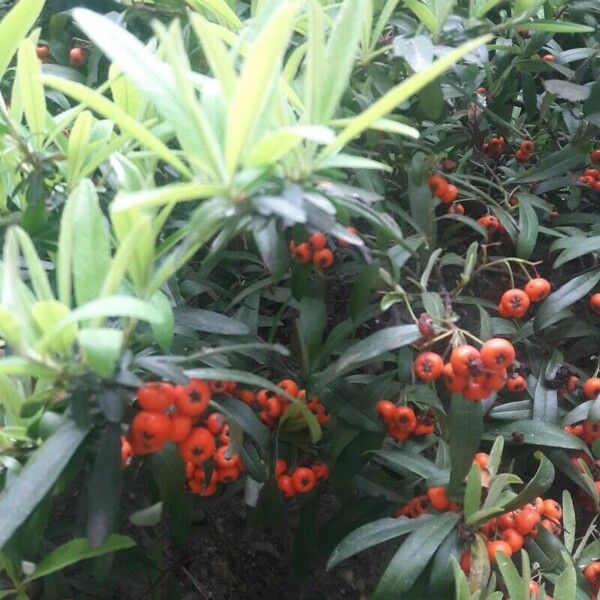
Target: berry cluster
(315, 249)
(526, 149)
(591, 176)
(495, 147)
(272, 407)
(76, 55)
(402, 421)
(435, 498)
(302, 479)
(471, 372)
(439, 186)
(515, 302)
(226, 466)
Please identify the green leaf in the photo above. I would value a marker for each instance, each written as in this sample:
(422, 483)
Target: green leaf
(466, 428)
(126, 123)
(558, 27)
(111, 306)
(528, 230)
(399, 94)
(259, 74)
(105, 486)
(74, 551)
(574, 247)
(404, 462)
(220, 9)
(569, 522)
(371, 347)
(472, 498)
(245, 417)
(413, 555)
(209, 321)
(566, 585)
(29, 74)
(542, 480)
(536, 433)
(555, 164)
(91, 243)
(14, 26)
(261, 382)
(37, 477)
(313, 316)
(371, 534)
(147, 517)
(102, 348)
(46, 314)
(37, 273)
(512, 579)
(168, 194)
(566, 90)
(423, 13)
(565, 296)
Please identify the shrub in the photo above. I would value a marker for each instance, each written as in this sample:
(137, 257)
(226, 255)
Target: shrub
(306, 252)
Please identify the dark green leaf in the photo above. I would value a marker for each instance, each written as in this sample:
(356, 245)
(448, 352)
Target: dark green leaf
(403, 462)
(558, 27)
(540, 483)
(413, 555)
(37, 477)
(76, 550)
(209, 321)
(536, 433)
(528, 230)
(574, 247)
(466, 428)
(313, 316)
(245, 417)
(565, 296)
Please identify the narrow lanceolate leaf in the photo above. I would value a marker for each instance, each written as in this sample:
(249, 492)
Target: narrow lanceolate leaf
(466, 427)
(574, 247)
(14, 26)
(399, 94)
(262, 64)
(76, 550)
(37, 478)
(29, 74)
(371, 534)
(119, 116)
(413, 555)
(373, 346)
(528, 230)
(536, 433)
(168, 194)
(565, 296)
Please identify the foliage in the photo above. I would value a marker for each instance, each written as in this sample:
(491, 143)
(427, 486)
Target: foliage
(269, 196)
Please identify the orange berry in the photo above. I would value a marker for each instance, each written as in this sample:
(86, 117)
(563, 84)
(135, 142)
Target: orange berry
(150, 431)
(475, 391)
(593, 173)
(527, 520)
(428, 366)
(552, 509)
(386, 410)
(198, 447)
(321, 470)
(456, 209)
(438, 499)
(323, 258)
(303, 479)
(42, 51)
(572, 383)
(497, 353)
(290, 386)
(215, 422)
(449, 194)
(516, 384)
(537, 289)
(192, 399)
(454, 383)
(77, 56)
(506, 521)
(513, 538)
(595, 156)
(515, 302)
(286, 486)
(548, 58)
(405, 419)
(527, 146)
(591, 388)
(156, 396)
(465, 562)
(280, 467)
(343, 243)
(425, 325)
(521, 156)
(466, 360)
(490, 222)
(247, 397)
(302, 253)
(592, 574)
(218, 386)
(317, 241)
(495, 380)
(223, 461)
(498, 546)
(181, 427)
(481, 458)
(274, 407)
(595, 302)
(437, 184)
(228, 474)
